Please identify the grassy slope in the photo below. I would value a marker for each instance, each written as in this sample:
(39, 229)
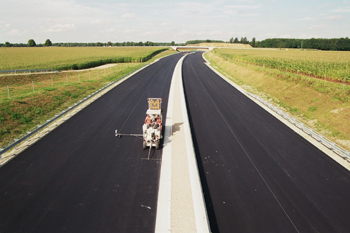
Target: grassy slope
(53, 93)
(315, 103)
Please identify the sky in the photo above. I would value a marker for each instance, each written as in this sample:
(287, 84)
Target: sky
(166, 21)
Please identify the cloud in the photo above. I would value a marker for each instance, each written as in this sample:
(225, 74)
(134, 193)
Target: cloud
(317, 27)
(341, 10)
(217, 34)
(327, 5)
(245, 10)
(190, 33)
(148, 33)
(334, 17)
(285, 36)
(270, 35)
(110, 30)
(252, 15)
(306, 19)
(128, 16)
(242, 7)
(96, 21)
(14, 32)
(58, 27)
(193, 5)
(128, 31)
(248, 1)
(107, 20)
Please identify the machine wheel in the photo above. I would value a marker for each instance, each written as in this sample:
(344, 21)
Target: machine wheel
(144, 145)
(157, 145)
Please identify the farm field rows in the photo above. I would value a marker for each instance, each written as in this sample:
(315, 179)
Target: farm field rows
(65, 58)
(329, 65)
(320, 104)
(28, 100)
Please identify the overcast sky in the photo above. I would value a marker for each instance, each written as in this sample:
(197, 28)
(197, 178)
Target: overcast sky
(166, 21)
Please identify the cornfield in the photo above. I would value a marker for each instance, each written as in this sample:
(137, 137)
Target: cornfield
(63, 58)
(329, 65)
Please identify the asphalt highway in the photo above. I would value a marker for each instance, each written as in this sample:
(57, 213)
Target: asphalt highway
(80, 177)
(257, 174)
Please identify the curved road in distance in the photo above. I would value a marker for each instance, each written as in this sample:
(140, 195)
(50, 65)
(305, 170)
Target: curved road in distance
(80, 177)
(257, 174)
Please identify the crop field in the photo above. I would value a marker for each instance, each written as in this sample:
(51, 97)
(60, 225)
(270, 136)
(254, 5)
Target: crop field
(28, 100)
(322, 104)
(65, 58)
(329, 65)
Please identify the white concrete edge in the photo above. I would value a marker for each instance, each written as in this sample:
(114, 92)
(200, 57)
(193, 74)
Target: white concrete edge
(163, 217)
(200, 211)
(324, 149)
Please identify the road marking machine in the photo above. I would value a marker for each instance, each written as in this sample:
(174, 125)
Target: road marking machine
(152, 127)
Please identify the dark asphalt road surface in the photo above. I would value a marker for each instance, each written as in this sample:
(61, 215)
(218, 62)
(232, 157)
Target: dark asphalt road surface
(80, 177)
(257, 174)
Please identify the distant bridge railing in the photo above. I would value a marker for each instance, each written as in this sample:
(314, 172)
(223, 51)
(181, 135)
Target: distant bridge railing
(191, 47)
(27, 71)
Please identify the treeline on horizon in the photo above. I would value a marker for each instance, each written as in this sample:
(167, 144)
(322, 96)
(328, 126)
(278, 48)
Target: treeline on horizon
(339, 44)
(91, 44)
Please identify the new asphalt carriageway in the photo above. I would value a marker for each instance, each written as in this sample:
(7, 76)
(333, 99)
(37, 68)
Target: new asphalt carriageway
(226, 165)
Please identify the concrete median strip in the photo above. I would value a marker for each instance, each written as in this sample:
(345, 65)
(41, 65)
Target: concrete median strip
(181, 206)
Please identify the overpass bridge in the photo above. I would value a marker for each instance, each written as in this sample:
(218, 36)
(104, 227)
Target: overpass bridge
(176, 48)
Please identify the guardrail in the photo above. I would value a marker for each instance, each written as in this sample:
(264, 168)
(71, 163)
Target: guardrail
(326, 142)
(53, 120)
(27, 71)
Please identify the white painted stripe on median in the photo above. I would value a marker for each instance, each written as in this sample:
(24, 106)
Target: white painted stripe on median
(200, 211)
(164, 193)
(163, 218)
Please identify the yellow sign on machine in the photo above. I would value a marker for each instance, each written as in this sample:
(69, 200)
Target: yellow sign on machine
(154, 103)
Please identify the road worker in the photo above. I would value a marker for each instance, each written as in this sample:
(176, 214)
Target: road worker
(159, 122)
(148, 120)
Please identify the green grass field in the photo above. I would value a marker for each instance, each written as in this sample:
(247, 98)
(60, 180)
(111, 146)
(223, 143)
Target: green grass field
(64, 58)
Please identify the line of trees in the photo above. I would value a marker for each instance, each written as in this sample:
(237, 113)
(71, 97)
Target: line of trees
(31, 43)
(340, 44)
(243, 40)
(203, 41)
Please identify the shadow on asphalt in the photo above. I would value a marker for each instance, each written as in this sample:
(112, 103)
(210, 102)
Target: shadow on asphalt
(206, 192)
